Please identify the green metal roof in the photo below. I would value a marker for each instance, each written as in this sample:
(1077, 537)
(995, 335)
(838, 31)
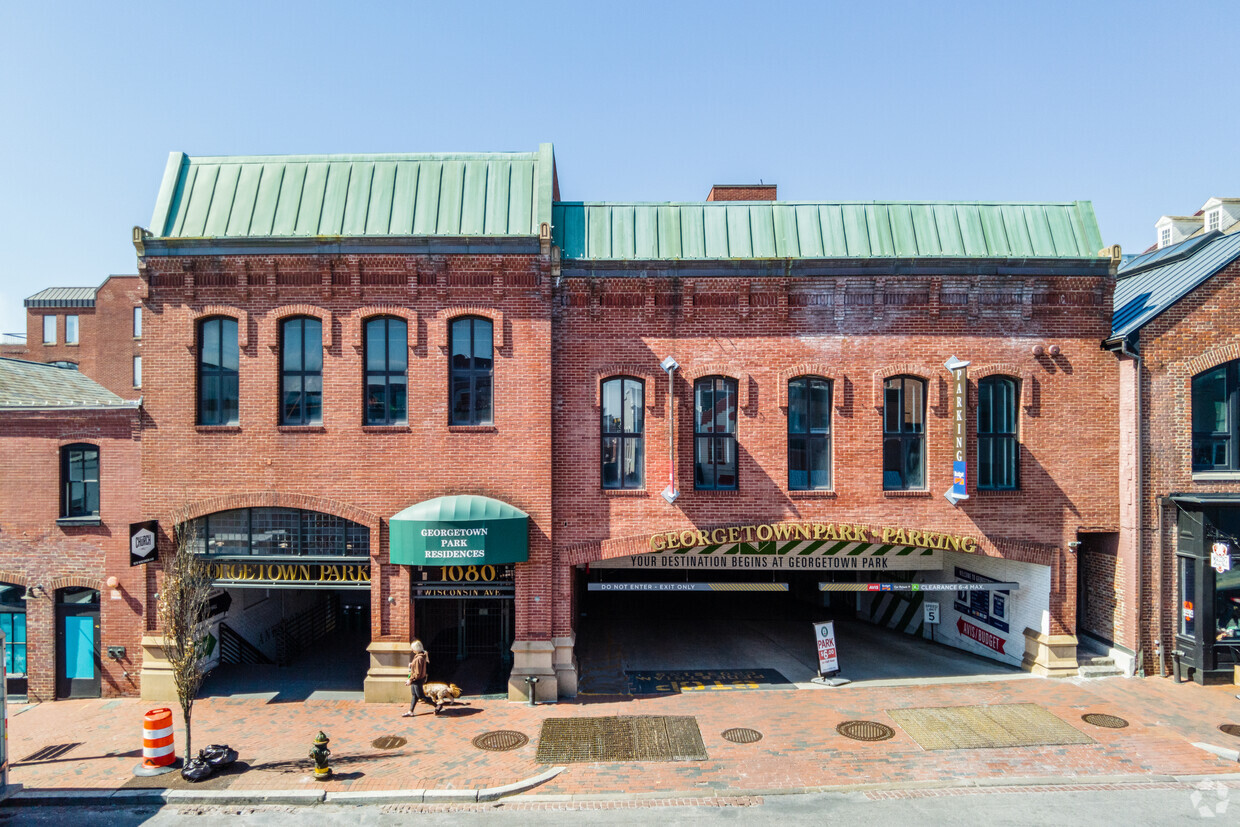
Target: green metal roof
(64, 297)
(354, 196)
(460, 507)
(772, 229)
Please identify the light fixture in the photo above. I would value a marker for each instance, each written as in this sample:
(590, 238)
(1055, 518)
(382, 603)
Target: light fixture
(32, 592)
(669, 364)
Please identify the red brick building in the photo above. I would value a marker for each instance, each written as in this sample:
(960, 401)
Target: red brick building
(1174, 575)
(97, 329)
(69, 455)
(760, 304)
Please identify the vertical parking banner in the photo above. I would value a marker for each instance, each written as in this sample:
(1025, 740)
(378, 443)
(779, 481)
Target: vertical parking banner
(959, 412)
(824, 635)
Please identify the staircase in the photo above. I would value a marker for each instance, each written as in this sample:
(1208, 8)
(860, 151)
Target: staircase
(236, 649)
(1098, 667)
(298, 633)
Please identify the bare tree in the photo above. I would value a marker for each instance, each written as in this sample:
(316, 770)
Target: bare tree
(183, 600)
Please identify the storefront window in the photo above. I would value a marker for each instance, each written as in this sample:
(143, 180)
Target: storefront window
(13, 623)
(1188, 597)
(1227, 605)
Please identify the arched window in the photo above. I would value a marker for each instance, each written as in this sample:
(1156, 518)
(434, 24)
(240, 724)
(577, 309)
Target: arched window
(218, 360)
(714, 433)
(279, 533)
(471, 371)
(809, 433)
(997, 448)
(301, 371)
(79, 475)
(623, 429)
(387, 358)
(904, 433)
(1216, 412)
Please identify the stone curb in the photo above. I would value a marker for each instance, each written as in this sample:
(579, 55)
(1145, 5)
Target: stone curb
(32, 798)
(515, 792)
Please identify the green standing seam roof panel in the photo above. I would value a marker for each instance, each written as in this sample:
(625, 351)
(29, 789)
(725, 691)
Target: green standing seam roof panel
(355, 196)
(595, 231)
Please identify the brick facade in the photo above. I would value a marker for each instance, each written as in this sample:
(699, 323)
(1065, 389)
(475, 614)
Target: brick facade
(856, 331)
(35, 551)
(342, 467)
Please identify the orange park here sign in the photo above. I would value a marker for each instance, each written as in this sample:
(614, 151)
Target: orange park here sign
(824, 634)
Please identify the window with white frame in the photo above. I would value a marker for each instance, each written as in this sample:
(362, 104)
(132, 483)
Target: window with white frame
(71, 329)
(49, 330)
(137, 371)
(1214, 219)
(137, 322)
(1164, 237)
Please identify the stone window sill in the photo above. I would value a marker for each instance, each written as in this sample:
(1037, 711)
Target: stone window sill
(218, 429)
(385, 429)
(301, 429)
(625, 492)
(1216, 476)
(812, 493)
(72, 522)
(907, 494)
(472, 429)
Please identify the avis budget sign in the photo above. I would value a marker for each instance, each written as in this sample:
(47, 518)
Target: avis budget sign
(824, 634)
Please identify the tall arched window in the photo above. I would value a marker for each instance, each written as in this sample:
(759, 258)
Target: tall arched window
(387, 358)
(714, 433)
(301, 373)
(79, 474)
(904, 433)
(809, 433)
(471, 371)
(1216, 413)
(997, 448)
(218, 358)
(623, 448)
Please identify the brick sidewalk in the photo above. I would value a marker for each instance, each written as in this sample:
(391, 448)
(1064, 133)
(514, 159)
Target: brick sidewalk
(799, 749)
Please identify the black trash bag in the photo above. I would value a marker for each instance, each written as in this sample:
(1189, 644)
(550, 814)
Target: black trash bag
(218, 755)
(196, 770)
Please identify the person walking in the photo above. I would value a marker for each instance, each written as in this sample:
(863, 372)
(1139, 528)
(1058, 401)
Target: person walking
(419, 663)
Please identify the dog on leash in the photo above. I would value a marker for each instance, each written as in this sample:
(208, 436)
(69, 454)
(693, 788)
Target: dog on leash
(441, 693)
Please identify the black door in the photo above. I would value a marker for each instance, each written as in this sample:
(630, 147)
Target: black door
(77, 643)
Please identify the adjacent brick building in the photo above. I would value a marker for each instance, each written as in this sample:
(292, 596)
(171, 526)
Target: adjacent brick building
(70, 458)
(1176, 335)
(96, 329)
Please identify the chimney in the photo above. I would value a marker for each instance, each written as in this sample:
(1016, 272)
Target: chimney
(742, 192)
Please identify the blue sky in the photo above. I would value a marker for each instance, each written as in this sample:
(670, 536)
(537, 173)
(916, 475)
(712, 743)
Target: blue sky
(1130, 105)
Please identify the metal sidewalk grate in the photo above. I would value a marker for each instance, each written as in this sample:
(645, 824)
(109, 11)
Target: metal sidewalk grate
(987, 726)
(620, 738)
(50, 753)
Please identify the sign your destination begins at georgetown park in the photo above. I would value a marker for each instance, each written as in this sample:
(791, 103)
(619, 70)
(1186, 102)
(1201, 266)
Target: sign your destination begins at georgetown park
(787, 546)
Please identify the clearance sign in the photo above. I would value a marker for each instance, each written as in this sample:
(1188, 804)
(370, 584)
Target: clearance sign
(790, 546)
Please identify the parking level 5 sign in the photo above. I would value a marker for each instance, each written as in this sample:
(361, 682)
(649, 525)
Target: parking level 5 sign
(824, 634)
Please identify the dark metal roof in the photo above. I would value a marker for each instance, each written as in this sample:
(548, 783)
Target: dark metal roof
(64, 297)
(36, 386)
(1149, 284)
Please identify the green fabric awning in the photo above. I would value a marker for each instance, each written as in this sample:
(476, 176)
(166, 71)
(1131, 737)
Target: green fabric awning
(460, 530)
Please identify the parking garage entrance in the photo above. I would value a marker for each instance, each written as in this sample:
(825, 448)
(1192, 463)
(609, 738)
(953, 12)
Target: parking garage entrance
(733, 606)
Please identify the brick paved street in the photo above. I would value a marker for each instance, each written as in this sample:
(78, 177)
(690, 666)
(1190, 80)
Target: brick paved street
(799, 749)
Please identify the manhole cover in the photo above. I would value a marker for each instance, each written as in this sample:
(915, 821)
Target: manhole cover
(741, 735)
(500, 740)
(865, 731)
(1108, 721)
(389, 742)
(1230, 729)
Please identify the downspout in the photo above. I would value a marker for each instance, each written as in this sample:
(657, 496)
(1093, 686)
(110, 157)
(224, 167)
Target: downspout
(669, 365)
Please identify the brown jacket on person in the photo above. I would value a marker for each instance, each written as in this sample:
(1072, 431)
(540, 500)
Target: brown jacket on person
(418, 666)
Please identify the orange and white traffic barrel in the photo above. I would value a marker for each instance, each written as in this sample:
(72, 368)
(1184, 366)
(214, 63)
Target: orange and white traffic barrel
(158, 749)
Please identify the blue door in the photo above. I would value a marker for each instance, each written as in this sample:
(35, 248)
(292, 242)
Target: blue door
(77, 643)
